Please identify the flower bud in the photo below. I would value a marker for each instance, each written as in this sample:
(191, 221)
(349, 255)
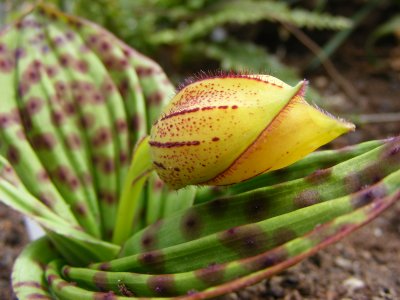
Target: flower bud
(224, 130)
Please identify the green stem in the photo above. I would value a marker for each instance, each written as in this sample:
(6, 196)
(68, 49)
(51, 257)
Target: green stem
(138, 173)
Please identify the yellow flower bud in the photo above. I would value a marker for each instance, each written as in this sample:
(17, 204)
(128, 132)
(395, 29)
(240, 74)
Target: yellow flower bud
(220, 131)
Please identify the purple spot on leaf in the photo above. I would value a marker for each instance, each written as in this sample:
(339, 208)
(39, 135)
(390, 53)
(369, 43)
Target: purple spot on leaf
(191, 224)
(162, 285)
(319, 176)
(246, 240)
(306, 198)
(102, 137)
(153, 260)
(13, 155)
(43, 141)
(211, 275)
(256, 208)
(100, 281)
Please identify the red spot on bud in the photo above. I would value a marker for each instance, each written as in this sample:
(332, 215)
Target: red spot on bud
(173, 144)
(159, 165)
(182, 112)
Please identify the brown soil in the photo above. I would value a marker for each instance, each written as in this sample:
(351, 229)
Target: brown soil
(12, 239)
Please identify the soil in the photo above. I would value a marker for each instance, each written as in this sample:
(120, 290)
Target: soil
(13, 238)
(365, 265)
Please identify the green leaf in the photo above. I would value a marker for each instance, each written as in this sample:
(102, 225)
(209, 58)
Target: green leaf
(216, 278)
(140, 169)
(74, 101)
(28, 274)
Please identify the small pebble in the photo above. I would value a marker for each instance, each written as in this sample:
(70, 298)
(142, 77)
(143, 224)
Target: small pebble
(353, 283)
(378, 232)
(343, 263)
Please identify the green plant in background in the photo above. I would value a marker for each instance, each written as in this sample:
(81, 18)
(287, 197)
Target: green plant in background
(74, 102)
(194, 31)
(390, 27)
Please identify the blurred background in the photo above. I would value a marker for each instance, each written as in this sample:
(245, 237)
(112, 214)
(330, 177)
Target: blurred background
(348, 49)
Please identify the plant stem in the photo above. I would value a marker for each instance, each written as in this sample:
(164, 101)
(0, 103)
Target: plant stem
(138, 173)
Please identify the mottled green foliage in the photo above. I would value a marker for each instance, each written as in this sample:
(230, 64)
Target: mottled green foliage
(186, 282)
(28, 275)
(74, 102)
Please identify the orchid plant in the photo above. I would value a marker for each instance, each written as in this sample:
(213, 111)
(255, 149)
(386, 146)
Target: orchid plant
(125, 188)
